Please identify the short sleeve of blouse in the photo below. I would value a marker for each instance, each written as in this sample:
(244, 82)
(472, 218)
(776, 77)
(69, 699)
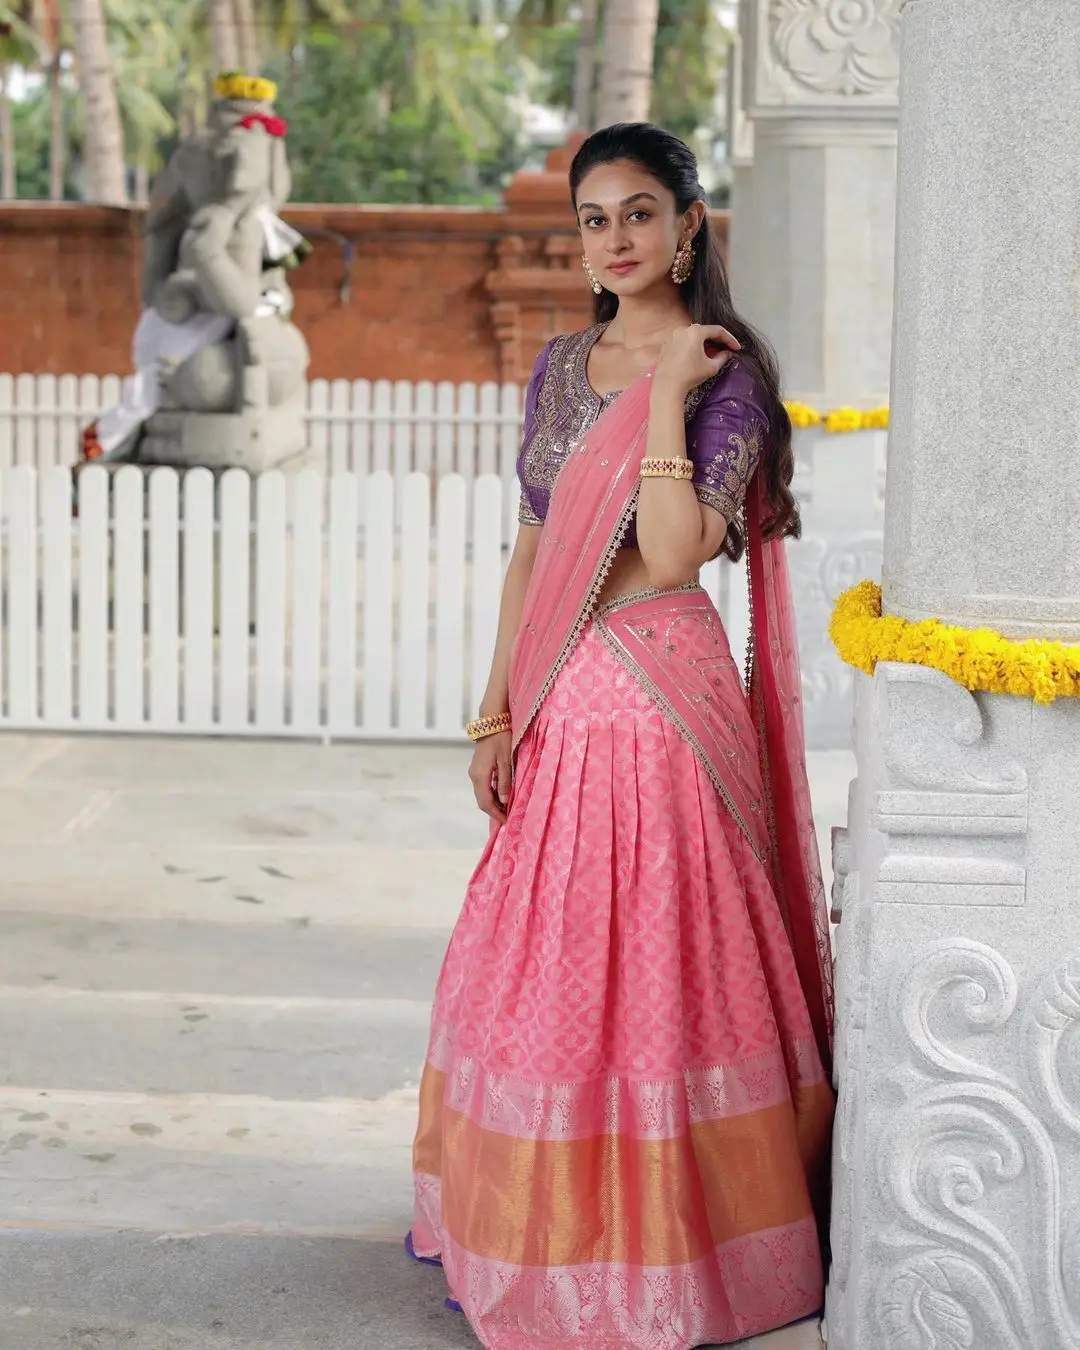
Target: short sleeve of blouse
(526, 513)
(726, 440)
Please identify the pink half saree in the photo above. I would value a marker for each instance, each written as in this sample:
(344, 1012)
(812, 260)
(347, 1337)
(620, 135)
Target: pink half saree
(625, 1112)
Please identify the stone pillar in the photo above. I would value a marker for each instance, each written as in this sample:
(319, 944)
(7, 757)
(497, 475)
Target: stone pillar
(740, 152)
(812, 136)
(820, 87)
(989, 317)
(956, 1199)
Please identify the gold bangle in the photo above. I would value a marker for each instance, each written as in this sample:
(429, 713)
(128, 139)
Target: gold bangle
(667, 468)
(487, 726)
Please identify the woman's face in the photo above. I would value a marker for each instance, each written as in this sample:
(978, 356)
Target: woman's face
(630, 229)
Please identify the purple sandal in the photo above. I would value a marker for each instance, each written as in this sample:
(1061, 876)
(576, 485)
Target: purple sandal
(451, 1303)
(421, 1260)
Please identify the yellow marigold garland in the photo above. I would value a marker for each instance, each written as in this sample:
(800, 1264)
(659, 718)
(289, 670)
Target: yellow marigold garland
(234, 84)
(839, 419)
(978, 659)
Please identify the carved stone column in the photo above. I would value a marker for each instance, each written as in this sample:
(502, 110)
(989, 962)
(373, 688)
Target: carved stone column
(740, 151)
(956, 1199)
(820, 87)
(989, 306)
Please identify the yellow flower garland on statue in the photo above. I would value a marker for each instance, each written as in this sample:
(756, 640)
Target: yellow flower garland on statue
(978, 659)
(839, 419)
(234, 84)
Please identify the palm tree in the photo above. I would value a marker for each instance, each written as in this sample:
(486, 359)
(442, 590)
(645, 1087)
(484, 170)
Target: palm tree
(20, 47)
(530, 18)
(148, 45)
(223, 42)
(626, 64)
(247, 36)
(50, 25)
(7, 120)
(105, 174)
(286, 24)
(51, 28)
(585, 66)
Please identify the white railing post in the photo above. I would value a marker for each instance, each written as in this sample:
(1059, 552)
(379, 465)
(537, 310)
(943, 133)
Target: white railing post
(21, 575)
(307, 589)
(198, 599)
(163, 620)
(57, 614)
(450, 605)
(343, 562)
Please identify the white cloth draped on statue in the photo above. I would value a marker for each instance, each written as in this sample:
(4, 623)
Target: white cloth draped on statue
(283, 246)
(157, 348)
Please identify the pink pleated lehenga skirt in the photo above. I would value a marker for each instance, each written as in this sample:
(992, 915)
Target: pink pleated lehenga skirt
(623, 1111)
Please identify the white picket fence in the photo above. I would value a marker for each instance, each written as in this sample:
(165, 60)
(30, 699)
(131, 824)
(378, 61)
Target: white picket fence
(166, 606)
(359, 599)
(354, 426)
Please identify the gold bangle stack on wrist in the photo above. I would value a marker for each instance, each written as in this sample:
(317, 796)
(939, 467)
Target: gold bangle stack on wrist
(487, 726)
(667, 468)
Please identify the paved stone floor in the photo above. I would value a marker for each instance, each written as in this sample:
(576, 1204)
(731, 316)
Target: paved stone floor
(215, 966)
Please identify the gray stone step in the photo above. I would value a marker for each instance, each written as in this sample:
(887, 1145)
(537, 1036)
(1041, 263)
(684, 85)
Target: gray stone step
(240, 817)
(132, 1291)
(197, 1162)
(281, 1047)
(175, 762)
(291, 957)
(347, 885)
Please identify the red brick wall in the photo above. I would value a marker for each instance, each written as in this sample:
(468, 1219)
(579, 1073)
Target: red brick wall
(69, 285)
(432, 292)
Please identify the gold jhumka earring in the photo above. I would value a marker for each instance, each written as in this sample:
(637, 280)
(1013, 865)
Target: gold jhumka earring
(596, 287)
(683, 264)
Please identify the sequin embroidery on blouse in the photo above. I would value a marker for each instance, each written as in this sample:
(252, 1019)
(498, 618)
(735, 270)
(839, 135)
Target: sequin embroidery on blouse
(726, 478)
(567, 407)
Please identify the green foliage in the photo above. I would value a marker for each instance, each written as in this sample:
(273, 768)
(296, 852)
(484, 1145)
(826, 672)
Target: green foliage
(148, 42)
(689, 54)
(545, 33)
(690, 45)
(398, 114)
(20, 43)
(31, 116)
(388, 100)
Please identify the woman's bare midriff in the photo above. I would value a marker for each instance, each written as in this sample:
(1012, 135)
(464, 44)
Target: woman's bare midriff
(628, 575)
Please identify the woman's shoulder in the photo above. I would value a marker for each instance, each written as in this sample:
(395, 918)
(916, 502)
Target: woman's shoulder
(587, 334)
(574, 340)
(565, 348)
(738, 388)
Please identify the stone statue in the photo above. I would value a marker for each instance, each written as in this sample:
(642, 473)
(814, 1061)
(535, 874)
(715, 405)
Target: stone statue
(220, 367)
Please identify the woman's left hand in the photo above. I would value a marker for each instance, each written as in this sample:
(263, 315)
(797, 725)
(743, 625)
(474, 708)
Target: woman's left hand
(684, 363)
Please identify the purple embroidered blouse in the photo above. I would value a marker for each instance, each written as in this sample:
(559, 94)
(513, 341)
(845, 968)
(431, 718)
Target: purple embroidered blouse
(724, 426)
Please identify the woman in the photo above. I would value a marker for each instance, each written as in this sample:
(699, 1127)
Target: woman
(625, 1112)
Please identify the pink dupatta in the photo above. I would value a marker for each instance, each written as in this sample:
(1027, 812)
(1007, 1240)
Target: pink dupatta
(594, 499)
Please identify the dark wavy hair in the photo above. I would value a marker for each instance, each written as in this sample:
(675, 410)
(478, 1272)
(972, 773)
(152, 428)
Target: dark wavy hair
(707, 295)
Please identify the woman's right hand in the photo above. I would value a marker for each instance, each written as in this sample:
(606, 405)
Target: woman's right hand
(490, 772)
(685, 361)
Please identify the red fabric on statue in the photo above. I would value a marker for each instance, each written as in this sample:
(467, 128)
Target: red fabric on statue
(275, 126)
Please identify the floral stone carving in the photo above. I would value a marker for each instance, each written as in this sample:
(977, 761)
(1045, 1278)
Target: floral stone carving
(834, 53)
(838, 46)
(986, 1231)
